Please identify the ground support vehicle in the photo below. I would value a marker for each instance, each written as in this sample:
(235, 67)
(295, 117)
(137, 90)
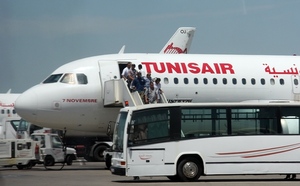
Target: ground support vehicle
(22, 153)
(52, 149)
(9, 127)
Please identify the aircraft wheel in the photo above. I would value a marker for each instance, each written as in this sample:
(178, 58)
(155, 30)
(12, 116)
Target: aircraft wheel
(98, 152)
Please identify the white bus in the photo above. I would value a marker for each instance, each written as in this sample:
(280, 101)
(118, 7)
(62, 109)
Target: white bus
(186, 140)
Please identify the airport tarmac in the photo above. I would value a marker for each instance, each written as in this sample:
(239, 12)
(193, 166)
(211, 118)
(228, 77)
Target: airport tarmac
(95, 173)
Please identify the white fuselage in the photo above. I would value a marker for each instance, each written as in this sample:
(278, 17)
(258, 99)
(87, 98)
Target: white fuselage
(190, 77)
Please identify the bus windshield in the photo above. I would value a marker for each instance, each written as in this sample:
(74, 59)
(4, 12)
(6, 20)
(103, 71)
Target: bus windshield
(119, 132)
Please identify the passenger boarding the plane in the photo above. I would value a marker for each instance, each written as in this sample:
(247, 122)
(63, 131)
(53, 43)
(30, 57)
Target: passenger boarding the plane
(138, 84)
(148, 79)
(140, 69)
(151, 94)
(157, 86)
(131, 75)
(126, 70)
(125, 74)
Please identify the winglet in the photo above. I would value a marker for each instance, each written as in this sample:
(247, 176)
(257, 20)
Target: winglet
(122, 50)
(8, 92)
(180, 42)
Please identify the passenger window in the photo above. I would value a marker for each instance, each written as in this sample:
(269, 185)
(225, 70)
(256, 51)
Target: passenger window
(166, 80)
(82, 79)
(68, 78)
(2, 111)
(244, 81)
(176, 80)
(281, 81)
(262, 81)
(215, 81)
(52, 78)
(296, 82)
(186, 81)
(253, 81)
(205, 81)
(196, 81)
(272, 81)
(234, 81)
(224, 81)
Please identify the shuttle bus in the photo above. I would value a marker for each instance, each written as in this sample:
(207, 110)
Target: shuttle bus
(183, 141)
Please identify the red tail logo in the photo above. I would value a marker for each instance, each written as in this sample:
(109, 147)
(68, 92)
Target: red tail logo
(174, 50)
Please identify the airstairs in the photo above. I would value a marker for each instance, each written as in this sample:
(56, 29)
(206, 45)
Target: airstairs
(117, 94)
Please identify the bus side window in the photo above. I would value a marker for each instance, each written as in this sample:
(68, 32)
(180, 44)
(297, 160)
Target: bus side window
(138, 133)
(158, 130)
(142, 131)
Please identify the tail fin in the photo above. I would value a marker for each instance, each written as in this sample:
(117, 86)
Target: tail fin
(180, 42)
(122, 50)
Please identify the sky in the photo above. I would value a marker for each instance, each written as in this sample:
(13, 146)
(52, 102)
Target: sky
(38, 36)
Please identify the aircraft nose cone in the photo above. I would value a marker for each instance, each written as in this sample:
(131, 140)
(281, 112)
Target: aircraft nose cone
(26, 105)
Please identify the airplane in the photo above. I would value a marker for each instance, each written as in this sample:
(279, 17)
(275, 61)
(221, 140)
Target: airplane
(79, 102)
(179, 43)
(7, 103)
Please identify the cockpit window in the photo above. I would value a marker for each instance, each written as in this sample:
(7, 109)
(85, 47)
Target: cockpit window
(82, 79)
(68, 78)
(52, 78)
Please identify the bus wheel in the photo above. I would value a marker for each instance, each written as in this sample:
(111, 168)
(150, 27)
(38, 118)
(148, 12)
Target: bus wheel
(189, 169)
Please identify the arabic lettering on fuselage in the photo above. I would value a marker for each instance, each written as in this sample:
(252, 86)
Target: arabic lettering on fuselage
(7, 105)
(289, 71)
(191, 67)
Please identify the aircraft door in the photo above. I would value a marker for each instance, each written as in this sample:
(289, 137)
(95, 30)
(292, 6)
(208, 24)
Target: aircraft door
(109, 70)
(296, 87)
